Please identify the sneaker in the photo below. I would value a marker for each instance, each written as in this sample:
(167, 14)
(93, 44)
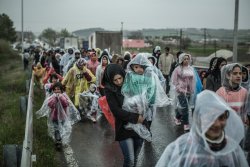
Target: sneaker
(186, 127)
(177, 121)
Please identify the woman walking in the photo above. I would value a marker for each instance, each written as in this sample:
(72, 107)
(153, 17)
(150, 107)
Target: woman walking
(129, 140)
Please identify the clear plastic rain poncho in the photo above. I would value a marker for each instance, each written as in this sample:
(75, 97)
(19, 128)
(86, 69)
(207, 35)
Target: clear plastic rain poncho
(142, 94)
(157, 70)
(234, 95)
(71, 62)
(183, 82)
(61, 114)
(88, 102)
(193, 150)
(246, 80)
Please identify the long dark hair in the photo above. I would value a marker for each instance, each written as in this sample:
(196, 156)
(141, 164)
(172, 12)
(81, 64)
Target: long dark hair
(215, 72)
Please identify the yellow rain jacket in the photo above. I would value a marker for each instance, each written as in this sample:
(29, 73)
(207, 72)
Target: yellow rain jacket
(76, 81)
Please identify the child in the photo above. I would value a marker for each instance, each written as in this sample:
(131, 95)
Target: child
(142, 92)
(48, 86)
(61, 115)
(39, 73)
(232, 91)
(88, 103)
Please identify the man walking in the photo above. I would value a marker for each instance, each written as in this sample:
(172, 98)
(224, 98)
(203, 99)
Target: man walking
(165, 61)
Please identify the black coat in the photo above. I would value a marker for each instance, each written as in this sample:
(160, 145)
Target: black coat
(115, 101)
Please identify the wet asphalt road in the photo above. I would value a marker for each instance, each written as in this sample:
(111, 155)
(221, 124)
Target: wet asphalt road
(93, 143)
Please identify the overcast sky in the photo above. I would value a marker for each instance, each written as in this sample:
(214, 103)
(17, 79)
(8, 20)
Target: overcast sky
(135, 14)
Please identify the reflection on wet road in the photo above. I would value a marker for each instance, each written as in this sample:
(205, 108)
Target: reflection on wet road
(94, 145)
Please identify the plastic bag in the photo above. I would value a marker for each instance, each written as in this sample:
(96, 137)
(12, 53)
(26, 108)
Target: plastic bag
(106, 111)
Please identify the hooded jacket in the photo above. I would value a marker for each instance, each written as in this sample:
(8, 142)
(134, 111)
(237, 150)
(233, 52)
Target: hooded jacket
(76, 81)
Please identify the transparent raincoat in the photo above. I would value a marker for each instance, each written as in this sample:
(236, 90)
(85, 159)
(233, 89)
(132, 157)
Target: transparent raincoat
(235, 97)
(183, 83)
(246, 81)
(192, 149)
(142, 94)
(157, 71)
(88, 101)
(61, 114)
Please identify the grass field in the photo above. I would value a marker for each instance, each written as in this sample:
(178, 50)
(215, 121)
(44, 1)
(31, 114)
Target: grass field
(12, 123)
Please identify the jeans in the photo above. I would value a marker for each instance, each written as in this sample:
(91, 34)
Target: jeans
(182, 109)
(167, 83)
(130, 148)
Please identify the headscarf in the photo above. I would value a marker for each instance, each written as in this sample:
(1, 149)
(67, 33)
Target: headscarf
(110, 71)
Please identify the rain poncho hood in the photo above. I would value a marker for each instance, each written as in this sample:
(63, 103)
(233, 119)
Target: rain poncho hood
(100, 70)
(157, 71)
(192, 149)
(61, 114)
(246, 82)
(225, 74)
(181, 57)
(140, 59)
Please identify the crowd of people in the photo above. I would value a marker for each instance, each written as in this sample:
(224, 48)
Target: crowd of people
(135, 85)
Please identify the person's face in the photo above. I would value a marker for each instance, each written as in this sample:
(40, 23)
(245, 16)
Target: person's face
(185, 61)
(70, 51)
(215, 131)
(54, 80)
(57, 90)
(167, 51)
(138, 69)
(104, 61)
(158, 52)
(244, 75)
(93, 57)
(203, 74)
(236, 76)
(77, 56)
(120, 62)
(151, 61)
(222, 64)
(118, 80)
(84, 53)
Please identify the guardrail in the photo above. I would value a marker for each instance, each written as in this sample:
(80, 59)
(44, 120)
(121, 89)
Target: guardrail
(26, 160)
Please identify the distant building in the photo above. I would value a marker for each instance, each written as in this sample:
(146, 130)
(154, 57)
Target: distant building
(133, 43)
(110, 40)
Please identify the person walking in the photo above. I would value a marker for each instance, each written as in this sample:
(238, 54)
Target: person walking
(129, 141)
(165, 61)
(183, 84)
(213, 140)
(213, 80)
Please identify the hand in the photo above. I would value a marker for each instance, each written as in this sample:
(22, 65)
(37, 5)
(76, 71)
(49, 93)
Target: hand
(140, 119)
(84, 69)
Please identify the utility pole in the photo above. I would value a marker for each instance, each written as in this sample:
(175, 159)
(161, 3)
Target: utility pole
(121, 37)
(235, 41)
(205, 41)
(215, 47)
(22, 22)
(180, 39)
